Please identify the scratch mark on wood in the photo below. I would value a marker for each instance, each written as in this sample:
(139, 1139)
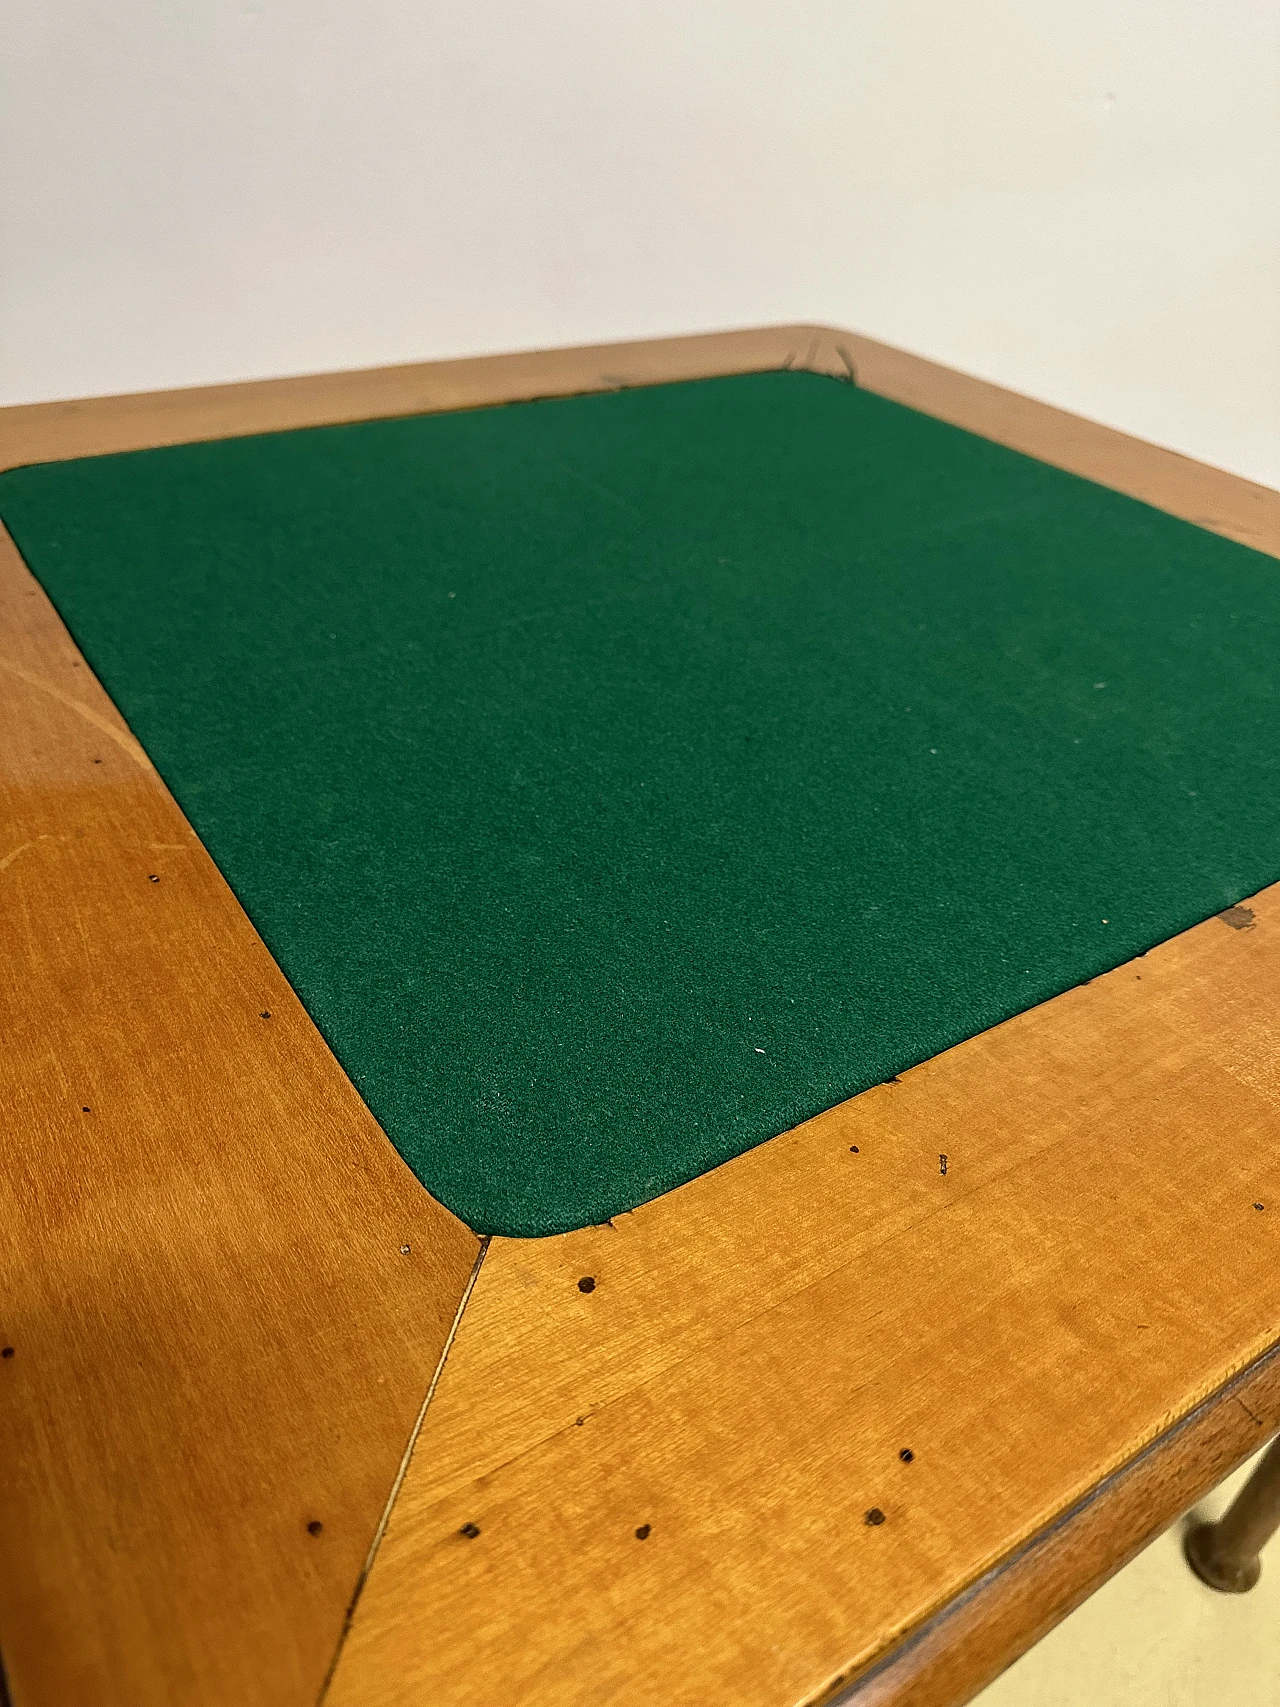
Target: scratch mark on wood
(121, 737)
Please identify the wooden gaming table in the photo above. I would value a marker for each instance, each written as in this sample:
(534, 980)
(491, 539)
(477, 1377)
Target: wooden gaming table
(640, 1056)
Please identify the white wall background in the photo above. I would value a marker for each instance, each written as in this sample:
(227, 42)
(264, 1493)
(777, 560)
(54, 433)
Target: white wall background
(1081, 200)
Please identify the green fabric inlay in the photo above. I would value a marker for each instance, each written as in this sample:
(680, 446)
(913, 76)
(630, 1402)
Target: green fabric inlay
(622, 780)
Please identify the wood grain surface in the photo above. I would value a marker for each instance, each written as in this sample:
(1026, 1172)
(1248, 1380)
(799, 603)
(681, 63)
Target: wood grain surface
(219, 1340)
(44, 432)
(222, 1293)
(760, 1347)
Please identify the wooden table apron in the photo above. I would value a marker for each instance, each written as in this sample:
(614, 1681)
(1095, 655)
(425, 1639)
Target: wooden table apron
(780, 1453)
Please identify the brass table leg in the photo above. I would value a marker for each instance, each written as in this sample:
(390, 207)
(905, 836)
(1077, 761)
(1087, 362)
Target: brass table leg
(1225, 1554)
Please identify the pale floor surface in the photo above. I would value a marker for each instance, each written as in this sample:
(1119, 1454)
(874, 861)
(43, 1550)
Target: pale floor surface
(1155, 1636)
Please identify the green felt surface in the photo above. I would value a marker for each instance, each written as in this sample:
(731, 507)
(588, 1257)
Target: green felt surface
(622, 780)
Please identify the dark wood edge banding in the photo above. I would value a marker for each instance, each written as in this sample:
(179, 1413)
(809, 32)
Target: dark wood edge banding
(980, 1633)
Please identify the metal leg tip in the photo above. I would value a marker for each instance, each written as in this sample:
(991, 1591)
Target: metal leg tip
(1218, 1569)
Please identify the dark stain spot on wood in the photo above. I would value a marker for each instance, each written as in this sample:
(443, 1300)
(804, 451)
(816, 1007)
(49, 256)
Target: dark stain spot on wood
(470, 1530)
(265, 1013)
(1239, 918)
(315, 1526)
(85, 1109)
(853, 1149)
(1259, 1206)
(97, 761)
(587, 1283)
(7, 1352)
(906, 1455)
(874, 1518)
(644, 1532)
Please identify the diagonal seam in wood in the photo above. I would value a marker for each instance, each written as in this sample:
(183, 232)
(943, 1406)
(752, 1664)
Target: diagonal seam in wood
(401, 1472)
